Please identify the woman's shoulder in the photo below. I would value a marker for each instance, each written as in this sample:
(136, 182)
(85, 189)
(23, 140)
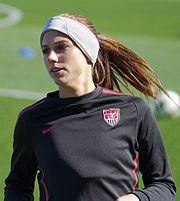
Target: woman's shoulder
(31, 108)
(139, 103)
(127, 97)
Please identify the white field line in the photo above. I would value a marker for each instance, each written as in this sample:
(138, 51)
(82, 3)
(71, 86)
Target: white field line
(22, 94)
(14, 15)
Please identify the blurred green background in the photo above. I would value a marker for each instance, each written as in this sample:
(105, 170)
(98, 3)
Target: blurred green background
(151, 28)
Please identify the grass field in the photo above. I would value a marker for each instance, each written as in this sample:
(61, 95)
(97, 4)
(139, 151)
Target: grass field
(149, 27)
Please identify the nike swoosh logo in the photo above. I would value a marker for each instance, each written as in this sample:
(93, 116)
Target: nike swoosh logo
(47, 130)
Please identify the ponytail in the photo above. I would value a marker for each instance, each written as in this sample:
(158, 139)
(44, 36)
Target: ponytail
(117, 65)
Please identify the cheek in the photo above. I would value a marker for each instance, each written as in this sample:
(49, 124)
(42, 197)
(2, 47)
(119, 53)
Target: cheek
(45, 61)
(61, 59)
(78, 57)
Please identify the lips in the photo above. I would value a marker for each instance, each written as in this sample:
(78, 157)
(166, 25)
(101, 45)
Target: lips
(56, 69)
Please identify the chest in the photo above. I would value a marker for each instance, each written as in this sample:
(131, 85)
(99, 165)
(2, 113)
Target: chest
(86, 142)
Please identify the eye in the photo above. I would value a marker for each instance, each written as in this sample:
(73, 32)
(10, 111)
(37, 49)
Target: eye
(45, 51)
(61, 47)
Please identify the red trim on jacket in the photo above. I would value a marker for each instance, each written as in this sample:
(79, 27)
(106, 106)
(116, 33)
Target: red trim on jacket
(43, 184)
(28, 108)
(134, 171)
(106, 91)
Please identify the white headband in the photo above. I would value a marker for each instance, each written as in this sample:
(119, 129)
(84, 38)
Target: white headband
(79, 33)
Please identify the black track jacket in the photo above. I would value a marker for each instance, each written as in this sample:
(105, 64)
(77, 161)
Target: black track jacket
(89, 148)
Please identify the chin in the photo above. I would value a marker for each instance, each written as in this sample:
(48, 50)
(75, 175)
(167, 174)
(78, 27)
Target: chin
(61, 82)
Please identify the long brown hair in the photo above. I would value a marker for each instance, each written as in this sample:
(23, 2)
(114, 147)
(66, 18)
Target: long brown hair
(118, 65)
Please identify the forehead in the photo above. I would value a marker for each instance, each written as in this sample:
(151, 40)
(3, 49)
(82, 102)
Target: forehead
(53, 36)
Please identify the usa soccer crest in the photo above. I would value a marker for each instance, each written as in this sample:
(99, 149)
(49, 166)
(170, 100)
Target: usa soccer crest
(112, 116)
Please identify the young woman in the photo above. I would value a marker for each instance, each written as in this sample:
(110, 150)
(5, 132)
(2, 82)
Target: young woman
(87, 141)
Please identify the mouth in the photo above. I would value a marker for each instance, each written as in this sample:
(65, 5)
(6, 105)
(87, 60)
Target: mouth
(56, 69)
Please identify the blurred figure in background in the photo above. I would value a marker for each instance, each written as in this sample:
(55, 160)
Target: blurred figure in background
(165, 106)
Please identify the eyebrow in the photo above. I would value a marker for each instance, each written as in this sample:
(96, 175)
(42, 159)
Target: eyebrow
(58, 42)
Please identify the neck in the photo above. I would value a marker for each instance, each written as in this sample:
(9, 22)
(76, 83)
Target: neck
(68, 92)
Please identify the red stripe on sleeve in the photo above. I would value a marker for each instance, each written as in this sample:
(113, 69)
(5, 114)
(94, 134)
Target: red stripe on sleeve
(28, 108)
(43, 184)
(134, 171)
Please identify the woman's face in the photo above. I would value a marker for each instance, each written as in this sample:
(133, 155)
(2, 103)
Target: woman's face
(65, 62)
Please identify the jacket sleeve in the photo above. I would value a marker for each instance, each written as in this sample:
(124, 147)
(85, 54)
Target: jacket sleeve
(20, 182)
(153, 159)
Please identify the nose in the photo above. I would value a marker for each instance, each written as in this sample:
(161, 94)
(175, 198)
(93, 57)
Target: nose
(53, 57)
